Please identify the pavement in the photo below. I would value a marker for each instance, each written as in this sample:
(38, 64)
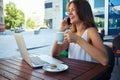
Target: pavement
(40, 43)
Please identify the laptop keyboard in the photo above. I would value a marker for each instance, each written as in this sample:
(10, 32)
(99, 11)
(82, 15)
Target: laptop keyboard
(37, 61)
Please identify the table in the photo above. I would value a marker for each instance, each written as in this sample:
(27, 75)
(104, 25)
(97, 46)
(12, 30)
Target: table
(18, 69)
(108, 38)
(108, 44)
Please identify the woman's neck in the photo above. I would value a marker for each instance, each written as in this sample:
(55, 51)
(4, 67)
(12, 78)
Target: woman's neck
(80, 27)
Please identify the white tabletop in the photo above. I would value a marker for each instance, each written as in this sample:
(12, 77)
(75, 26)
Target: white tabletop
(107, 43)
(108, 37)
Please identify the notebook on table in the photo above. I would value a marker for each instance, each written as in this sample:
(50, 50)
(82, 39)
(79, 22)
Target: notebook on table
(34, 61)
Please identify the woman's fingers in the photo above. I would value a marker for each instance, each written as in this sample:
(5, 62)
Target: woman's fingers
(70, 37)
(67, 36)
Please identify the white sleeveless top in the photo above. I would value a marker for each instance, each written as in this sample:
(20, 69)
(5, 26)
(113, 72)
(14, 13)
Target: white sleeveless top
(76, 52)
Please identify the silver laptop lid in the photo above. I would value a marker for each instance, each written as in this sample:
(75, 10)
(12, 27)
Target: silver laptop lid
(22, 47)
(25, 55)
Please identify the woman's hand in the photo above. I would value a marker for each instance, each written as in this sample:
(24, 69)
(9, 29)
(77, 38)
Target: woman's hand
(64, 25)
(70, 37)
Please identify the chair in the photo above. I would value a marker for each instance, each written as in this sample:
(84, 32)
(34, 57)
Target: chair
(116, 47)
(101, 36)
(111, 61)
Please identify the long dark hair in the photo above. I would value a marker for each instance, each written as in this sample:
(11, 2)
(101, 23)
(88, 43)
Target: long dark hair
(84, 12)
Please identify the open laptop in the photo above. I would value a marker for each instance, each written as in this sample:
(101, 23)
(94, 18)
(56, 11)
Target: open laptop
(34, 61)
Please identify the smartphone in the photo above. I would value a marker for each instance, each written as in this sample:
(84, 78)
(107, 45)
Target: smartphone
(68, 21)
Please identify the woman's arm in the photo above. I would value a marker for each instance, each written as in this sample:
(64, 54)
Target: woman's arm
(96, 49)
(58, 48)
(93, 46)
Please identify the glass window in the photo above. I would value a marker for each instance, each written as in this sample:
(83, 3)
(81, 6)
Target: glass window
(40, 22)
(114, 17)
(98, 12)
(48, 5)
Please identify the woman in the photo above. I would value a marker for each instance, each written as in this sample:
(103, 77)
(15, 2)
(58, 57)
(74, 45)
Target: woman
(83, 41)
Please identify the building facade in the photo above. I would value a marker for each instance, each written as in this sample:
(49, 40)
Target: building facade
(55, 12)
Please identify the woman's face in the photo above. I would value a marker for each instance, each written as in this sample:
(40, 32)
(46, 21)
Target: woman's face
(72, 13)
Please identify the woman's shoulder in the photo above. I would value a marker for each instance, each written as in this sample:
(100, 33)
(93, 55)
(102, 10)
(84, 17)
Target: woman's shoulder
(92, 30)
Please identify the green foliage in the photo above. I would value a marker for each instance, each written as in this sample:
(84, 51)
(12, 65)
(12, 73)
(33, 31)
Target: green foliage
(14, 17)
(30, 23)
(100, 24)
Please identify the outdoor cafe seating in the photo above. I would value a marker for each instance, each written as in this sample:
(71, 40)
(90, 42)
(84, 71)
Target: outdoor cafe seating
(114, 43)
(116, 47)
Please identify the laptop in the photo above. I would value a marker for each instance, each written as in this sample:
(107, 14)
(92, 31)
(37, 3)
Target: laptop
(34, 61)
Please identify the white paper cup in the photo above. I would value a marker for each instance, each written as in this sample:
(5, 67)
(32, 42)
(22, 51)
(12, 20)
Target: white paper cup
(60, 37)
